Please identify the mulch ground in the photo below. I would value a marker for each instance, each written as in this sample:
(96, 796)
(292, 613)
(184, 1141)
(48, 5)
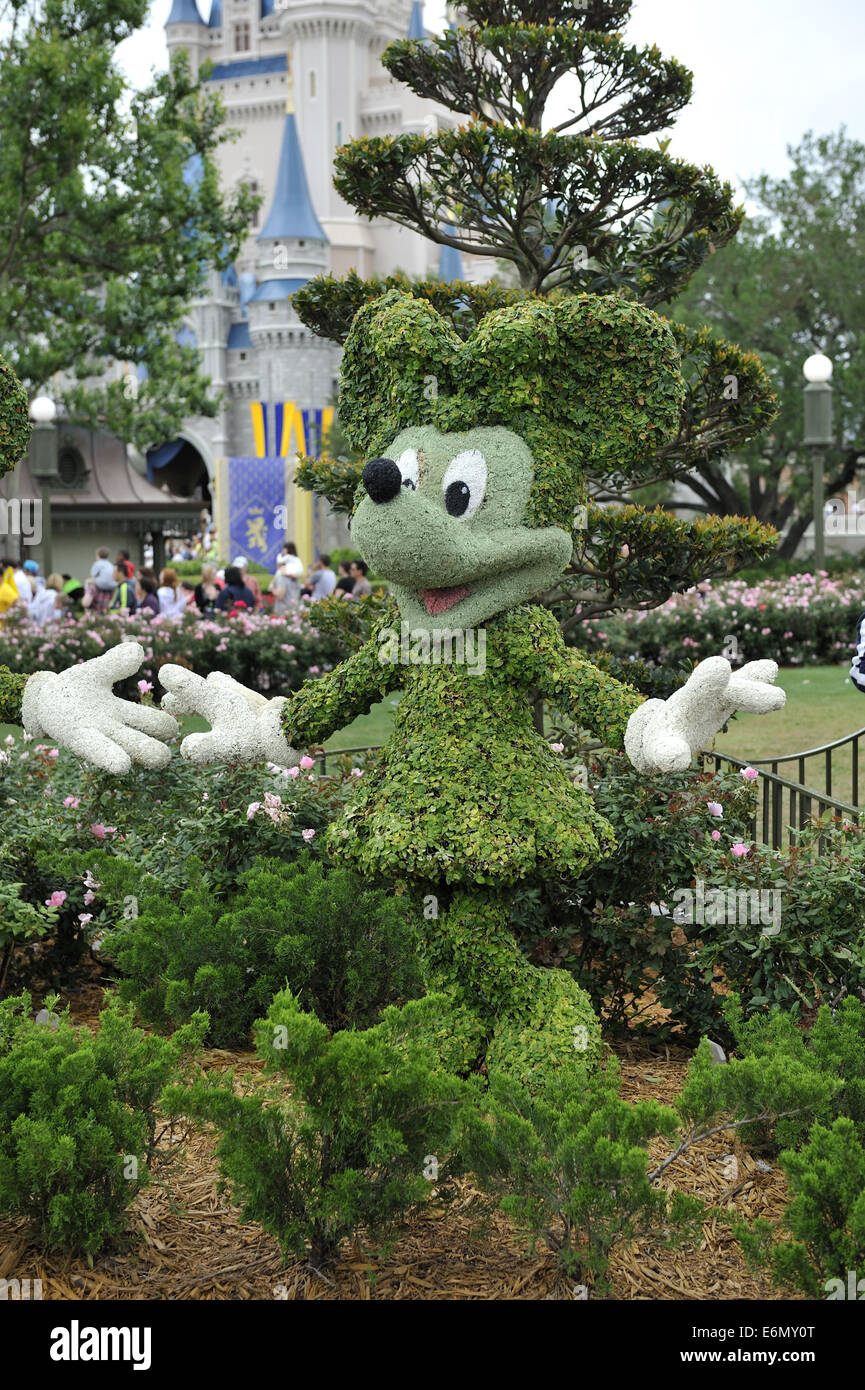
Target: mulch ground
(187, 1241)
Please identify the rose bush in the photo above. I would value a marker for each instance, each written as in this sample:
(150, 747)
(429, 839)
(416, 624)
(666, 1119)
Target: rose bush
(801, 620)
(271, 654)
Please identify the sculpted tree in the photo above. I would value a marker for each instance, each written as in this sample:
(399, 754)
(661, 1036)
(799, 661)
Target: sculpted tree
(579, 207)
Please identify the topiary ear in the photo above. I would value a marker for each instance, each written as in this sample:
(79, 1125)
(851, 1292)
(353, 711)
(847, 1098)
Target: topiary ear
(14, 419)
(604, 370)
(399, 357)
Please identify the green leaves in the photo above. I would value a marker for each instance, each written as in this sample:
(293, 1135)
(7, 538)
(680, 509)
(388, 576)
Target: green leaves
(78, 1118)
(105, 234)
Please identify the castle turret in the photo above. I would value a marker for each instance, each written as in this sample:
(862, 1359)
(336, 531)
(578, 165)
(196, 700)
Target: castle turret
(184, 28)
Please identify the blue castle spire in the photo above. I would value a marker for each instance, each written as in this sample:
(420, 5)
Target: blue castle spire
(184, 12)
(415, 24)
(291, 212)
(451, 264)
(215, 20)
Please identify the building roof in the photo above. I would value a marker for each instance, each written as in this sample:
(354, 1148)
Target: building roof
(215, 19)
(248, 67)
(238, 336)
(184, 12)
(277, 289)
(291, 213)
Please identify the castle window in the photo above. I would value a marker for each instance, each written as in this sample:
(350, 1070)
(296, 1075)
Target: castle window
(339, 132)
(312, 83)
(252, 185)
(241, 38)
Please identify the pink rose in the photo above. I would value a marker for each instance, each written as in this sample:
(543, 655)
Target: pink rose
(714, 808)
(557, 747)
(292, 771)
(308, 835)
(145, 686)
(750, 773)
(72, 801)
(89, 897)
(716, 834)
(85, 917)
(251, 809)
(307, 762)
(739, 849)
(57, 899)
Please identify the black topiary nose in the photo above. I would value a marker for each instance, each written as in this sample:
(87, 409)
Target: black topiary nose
(382, 479)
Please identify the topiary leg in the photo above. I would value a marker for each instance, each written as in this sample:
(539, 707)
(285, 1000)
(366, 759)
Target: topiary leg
(540, 1019)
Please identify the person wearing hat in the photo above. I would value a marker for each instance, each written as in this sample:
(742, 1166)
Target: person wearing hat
(31, 569)
(284, 587)
(249, 581)
(25, 585)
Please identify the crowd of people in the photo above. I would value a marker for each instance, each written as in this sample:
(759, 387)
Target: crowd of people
(117, 585)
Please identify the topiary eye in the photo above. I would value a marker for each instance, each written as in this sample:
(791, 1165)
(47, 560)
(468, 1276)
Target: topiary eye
(408, 470)
(465, 484)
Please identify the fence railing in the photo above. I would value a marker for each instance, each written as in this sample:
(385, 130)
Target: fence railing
(804, 799)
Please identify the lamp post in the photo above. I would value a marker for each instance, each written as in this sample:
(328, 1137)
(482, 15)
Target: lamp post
(818, 435)
(43, 465)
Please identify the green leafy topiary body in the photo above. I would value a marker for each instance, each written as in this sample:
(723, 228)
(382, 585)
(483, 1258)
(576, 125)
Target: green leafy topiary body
(465, 791)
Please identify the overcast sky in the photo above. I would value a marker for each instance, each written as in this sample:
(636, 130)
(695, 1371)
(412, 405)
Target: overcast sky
(765, 71)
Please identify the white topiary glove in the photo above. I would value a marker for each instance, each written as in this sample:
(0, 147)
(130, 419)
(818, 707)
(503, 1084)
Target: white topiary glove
(664, 735)
(245, 726)
(78, 709)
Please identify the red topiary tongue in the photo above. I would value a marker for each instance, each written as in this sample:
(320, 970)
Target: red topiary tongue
(440, 600)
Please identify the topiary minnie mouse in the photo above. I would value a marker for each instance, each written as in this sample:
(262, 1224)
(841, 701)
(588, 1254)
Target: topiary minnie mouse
(479, 450)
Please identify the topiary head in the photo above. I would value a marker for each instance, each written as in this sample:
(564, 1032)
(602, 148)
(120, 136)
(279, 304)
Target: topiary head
(480, 449)
(14, 419)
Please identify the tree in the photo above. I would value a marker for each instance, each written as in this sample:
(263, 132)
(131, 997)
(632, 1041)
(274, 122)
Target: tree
(581, 207)
(110, 211)
(793, 282)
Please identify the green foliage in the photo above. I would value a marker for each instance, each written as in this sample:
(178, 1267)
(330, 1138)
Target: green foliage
(822, 1237)
(14, 419)
(554, 373)
(141, 833)
(572, 1165)
(78, 1118)
(272, 655)
(812, 948)
(803, 1088)
(344, 949)
(465, 791)
(628, 558)
(111, 258)
(339, 1145)
(791, 282)
(607, 927)
(806, 619)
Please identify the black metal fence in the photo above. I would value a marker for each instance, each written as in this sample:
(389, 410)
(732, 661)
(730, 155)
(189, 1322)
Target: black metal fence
(784, 802)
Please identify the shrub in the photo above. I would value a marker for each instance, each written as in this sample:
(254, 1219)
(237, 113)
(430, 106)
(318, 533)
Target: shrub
(68, 826)
(345, 950)
(342, 1143)
(825, 1217)
(613, 929)
(573, 1167)
(801, 620)
(811, 947)
(78, 1118)
(271, 654)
